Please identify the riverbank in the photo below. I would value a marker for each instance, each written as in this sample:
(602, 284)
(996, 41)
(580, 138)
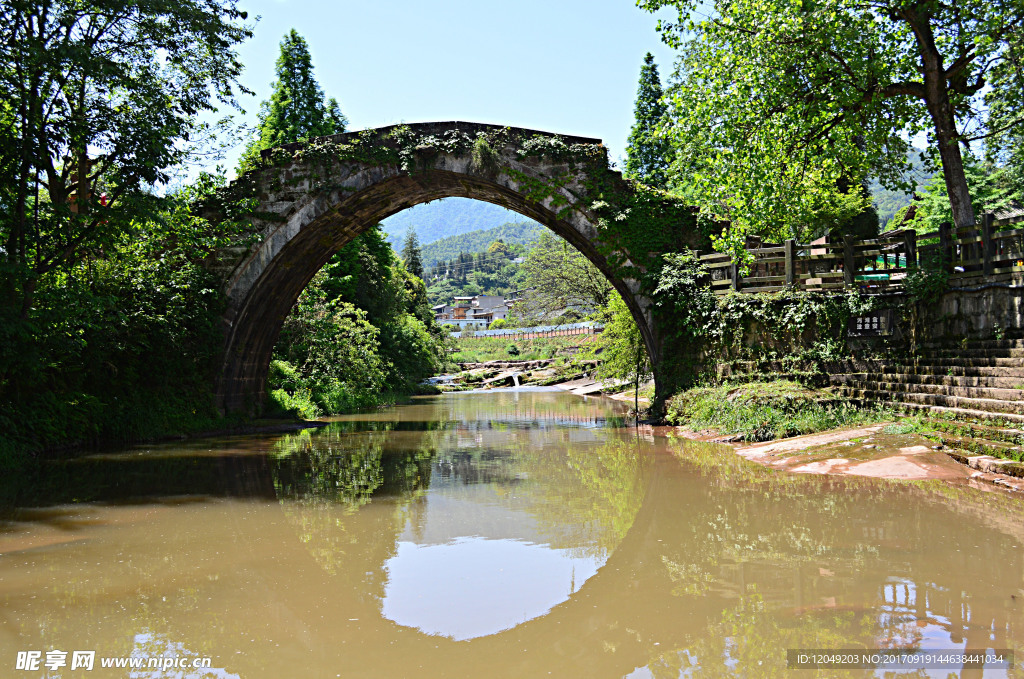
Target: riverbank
(886, 450)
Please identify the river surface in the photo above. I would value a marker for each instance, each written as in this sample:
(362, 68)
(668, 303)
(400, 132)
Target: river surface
(523, 533)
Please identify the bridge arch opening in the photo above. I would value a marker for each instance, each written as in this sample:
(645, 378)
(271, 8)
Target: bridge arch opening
(310, 214)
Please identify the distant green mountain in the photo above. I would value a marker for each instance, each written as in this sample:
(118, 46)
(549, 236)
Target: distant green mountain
(447, 217)
(472, 242)
(887, 202)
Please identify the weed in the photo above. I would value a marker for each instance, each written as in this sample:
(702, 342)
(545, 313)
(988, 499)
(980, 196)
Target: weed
(762, 411)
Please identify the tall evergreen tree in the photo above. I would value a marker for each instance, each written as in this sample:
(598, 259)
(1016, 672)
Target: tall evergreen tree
(297, 108)
(411, 255)
(647, 155)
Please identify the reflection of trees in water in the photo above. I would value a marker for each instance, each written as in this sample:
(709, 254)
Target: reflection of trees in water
(324, 478)
(582, 496)
(751, 640)
(585, 497)
(810, 562)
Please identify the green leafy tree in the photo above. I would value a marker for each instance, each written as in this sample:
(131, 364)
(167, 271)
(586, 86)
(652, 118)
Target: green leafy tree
(988, 187)
(561, 284)
(623, 353)
(776, 100)
(1005, 99)
(411, 254)
(99, 101)
(297, 109)
(647, 153)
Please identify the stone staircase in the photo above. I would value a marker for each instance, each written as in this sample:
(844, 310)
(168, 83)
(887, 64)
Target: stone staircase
(972, 395)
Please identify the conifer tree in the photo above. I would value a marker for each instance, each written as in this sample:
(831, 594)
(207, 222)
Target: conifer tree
(297, 109)
(411, 254)
(647, 156)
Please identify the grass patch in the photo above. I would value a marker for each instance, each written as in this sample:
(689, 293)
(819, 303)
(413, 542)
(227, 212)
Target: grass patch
(483, 349)
(763, 411)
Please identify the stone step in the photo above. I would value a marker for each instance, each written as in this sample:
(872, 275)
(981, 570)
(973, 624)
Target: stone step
(990, 381)
(974, 344)
(989, 463)
(1010, 341)
(982, 430)
(980, 446)
(996, 394)
(975, 352)
(1011, 410)
(969, 361)
(944, 370)
(964, 414)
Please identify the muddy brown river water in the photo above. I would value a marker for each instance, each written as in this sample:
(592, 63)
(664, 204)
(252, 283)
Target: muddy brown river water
(524, 533)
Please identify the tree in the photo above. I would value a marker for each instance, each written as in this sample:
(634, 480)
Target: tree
(623, 352)
(988, 186)
(411, 255)
(297, 109)
(647, 154)
(774, 98)
(561, 283)
(100, 99)
(1006, 103)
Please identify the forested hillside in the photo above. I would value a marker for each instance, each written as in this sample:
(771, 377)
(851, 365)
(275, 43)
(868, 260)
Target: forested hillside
(491, 272)
(522, 233)
(448, 217)
(886, 201)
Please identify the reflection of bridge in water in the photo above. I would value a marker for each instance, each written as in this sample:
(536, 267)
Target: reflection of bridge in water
(699, 545)
(635, 609)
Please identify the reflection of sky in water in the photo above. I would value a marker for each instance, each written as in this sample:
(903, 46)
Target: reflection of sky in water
(473, 586)
(473, 560)
(149, 646)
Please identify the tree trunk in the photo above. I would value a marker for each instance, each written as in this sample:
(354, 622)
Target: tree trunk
(952, 164)
(936, 98)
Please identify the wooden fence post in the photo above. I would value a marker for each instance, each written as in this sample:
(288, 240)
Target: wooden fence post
(790, 263)
(734, 273)
(849, 274)
(910, 246)
(987, 245)
(945, 247)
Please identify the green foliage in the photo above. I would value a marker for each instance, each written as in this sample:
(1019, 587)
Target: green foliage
(927, 284)
(297, 109)
(700, 329)
(648, 152)
(762, 411)
(1005, 100)
(482, 349)
(989, 188)
(562, 286)
(513, 349)
(623, 354)
(100, 102)
(484, 158)
(334, 350)
(774, 103)
(498, 324)
(491, 270)
(411, 255)
(481, 240)
(890, 201)
(119, 347)
(360, 335)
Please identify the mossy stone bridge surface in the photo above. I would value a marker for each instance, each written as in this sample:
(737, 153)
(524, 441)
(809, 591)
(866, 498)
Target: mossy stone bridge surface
(309, 200)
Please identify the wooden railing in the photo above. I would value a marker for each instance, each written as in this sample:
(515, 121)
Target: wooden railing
(874, 265)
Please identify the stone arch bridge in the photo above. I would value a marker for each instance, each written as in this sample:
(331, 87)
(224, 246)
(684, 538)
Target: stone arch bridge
(309, 200)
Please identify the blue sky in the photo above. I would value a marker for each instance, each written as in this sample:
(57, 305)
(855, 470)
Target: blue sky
(566, 66)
